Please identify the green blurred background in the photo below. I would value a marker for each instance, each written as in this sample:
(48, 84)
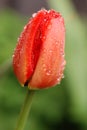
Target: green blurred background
(63, 107)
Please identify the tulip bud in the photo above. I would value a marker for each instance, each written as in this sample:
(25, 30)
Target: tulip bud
(38, 59)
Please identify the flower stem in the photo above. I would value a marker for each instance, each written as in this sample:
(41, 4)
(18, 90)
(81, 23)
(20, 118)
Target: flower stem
(25, 110)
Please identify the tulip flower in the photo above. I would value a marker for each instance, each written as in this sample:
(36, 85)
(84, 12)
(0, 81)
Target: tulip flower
(38, 59)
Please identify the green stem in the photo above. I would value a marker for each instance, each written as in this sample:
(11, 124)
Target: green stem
(25, 110)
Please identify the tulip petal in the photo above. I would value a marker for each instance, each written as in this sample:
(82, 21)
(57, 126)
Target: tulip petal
(27, 51)
(50, 65)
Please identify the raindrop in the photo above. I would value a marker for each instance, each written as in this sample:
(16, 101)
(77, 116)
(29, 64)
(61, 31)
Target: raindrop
(63, 55)
(44, 37)
(18, 65)
(44, 67)
(62, 76)
(18, 39)
(54, 15)
(21, 51)
(50, 51)
(48, 72)
(58, 80)
(13, 56)
(40, 36)
(25, 27)
(64, 63)
(61, 51)
(48, 11)
(45, 20)
(43, 9)
(56, 42)
(61, 19)
(49, 27)
(33, 15)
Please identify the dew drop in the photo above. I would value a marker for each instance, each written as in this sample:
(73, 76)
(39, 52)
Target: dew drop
(33, 15)
(48, 72)
(40, 36)
(48, 11)
(44, 37)
(61, 51)
(49, 27)
(21, 51)
(62, 54)
(62, 76)
(64, 63)
(44, 67)
(13, 56)
(61, 19)
(56, 43)
(18, 39)
(54, 15)
(50, 51)
(43, 9)
(18, 65)
(25, 27)
(45, 20)
(58, 80)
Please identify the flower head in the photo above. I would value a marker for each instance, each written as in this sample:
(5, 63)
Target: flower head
(38, 60)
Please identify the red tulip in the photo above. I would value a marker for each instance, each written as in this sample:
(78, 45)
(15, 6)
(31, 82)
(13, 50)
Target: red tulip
(38, 60)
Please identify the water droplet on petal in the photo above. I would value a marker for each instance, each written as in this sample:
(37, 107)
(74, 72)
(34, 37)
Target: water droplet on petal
(18, 39)
(62, 76)
(44, 68)
(13, 56)
(45, 20)
(63, 55)
(25, 27)
(48, 72)
(61, 52)
(64, 63)
(48, 11)
(44, 37)
(56, 43)
(33, 15)
(18, 65)
(49, 27)
(50, 51)
(58, 80)
(61, 19)
(40, 36)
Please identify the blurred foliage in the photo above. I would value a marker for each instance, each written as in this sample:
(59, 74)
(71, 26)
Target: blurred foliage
(61, 107)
